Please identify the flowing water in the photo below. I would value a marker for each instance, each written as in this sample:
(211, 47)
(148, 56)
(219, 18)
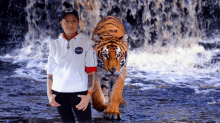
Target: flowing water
(173, 71)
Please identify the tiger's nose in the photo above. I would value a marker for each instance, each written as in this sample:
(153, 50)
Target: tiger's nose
(112, 70)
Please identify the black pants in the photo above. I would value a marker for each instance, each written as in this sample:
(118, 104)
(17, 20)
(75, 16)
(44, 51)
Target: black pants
(68, 102)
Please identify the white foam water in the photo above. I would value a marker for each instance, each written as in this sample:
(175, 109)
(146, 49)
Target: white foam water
(32, 58)
(181, 67)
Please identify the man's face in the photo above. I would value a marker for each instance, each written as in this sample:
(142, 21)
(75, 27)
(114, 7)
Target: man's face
(70, 24)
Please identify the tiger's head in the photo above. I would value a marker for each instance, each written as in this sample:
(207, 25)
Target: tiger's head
(111, 54)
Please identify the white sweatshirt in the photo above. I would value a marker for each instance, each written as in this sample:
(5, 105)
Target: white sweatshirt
(68, 65)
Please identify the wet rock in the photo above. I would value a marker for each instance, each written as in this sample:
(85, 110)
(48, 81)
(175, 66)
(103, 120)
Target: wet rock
(41, 93)
(15, 109)
(162, 100)
(26, 108)
(13, 95)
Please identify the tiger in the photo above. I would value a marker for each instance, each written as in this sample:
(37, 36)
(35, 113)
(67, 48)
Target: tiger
(110, 43)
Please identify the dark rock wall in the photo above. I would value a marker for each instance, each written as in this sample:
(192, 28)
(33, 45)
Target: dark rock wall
(208, 14)
(13, 24)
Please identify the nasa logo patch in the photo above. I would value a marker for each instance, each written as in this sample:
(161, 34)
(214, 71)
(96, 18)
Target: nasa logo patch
(79, 50)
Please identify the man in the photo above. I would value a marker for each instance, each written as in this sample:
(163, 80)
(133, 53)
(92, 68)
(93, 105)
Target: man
(71, 70)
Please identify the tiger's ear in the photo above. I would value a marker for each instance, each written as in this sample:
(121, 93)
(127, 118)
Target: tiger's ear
(125, 38)
(97, 39)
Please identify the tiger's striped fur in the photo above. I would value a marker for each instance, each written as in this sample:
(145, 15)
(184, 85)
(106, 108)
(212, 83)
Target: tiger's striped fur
(111, 49)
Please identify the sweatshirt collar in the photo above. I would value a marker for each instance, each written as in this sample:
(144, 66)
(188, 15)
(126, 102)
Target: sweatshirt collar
(64, 36)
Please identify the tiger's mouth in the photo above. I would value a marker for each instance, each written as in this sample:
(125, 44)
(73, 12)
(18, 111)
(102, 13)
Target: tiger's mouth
(111, 73)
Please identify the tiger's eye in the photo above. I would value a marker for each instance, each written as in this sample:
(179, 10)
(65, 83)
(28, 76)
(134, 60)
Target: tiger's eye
(118, 55)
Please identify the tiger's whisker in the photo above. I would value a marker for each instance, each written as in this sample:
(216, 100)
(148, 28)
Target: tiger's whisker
(122, 77)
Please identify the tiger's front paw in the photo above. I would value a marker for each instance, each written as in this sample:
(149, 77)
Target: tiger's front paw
(112, 115)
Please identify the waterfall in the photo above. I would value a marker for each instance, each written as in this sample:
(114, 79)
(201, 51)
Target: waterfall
(150, 24)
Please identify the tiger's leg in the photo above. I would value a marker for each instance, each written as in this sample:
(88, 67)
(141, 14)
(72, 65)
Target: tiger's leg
(106, 93)
(98, 102)
(112, 110)
(105, 89)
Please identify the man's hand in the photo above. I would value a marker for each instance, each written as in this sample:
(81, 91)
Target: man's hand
(84, 102)
(52, 101)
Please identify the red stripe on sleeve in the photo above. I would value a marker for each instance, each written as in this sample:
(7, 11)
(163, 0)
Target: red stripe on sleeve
(90, 69)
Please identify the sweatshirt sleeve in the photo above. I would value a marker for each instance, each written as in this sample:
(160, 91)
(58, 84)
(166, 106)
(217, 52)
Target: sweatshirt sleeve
(91, 59)
(51, 64)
